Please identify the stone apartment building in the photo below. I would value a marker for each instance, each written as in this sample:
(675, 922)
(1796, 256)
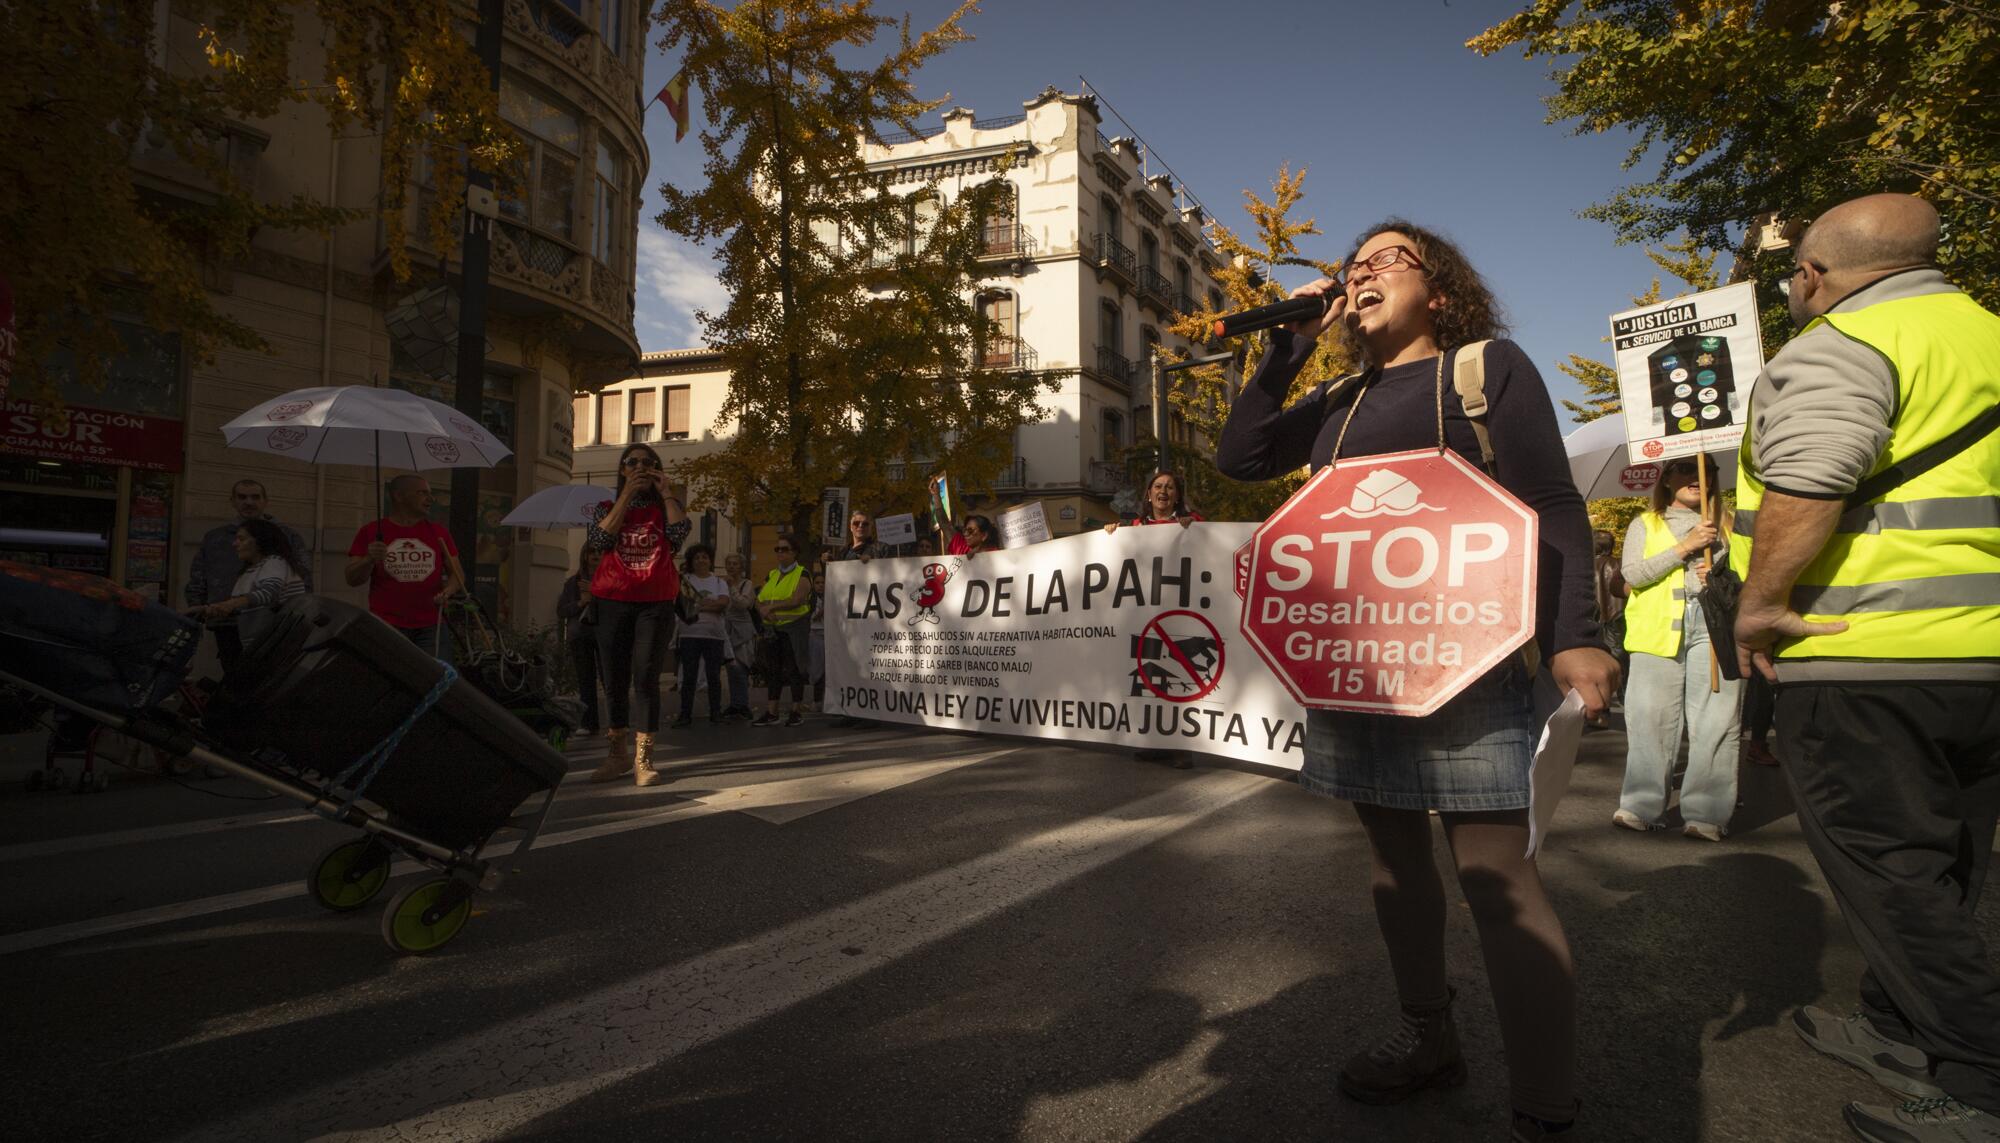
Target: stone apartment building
(1094, 257)
(561, 301)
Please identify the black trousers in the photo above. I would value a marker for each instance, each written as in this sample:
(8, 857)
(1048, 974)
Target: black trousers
(1898, 792)
(696, 654)
(228, 646)
(785, 644)
(583, 653)
(631, 648)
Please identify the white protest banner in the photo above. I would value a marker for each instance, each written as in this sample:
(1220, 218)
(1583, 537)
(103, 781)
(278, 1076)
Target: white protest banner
(833, 515)
(1685, 369)
(1024, 524)
(898, 529)
(1128, 639)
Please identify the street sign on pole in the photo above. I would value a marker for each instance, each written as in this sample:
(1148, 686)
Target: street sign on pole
(1388, 584)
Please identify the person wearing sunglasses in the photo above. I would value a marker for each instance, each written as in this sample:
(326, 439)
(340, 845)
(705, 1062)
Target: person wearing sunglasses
(1407, 301)
(1667, 552)
(785, 603)
(633, 592)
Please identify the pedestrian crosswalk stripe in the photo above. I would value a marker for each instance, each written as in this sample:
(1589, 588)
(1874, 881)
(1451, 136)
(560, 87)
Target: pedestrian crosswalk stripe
(496, 1082)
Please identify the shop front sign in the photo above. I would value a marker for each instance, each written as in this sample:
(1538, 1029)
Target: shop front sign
(91, 436)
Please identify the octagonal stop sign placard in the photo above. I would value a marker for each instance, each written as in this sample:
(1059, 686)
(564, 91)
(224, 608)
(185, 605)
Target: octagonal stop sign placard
(1390, 583)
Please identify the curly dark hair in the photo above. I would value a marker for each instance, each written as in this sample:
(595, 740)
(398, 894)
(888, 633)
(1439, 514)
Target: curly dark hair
(692, 550)
(1470, 312)
(272, 541)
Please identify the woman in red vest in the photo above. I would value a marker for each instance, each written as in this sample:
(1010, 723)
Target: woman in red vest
(1166, 503)
(634, 591)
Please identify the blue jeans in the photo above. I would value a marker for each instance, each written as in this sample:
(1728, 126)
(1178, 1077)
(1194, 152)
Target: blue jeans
(1664, 697)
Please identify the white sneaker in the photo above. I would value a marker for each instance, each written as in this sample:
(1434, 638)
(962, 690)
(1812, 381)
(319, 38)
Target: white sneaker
(1626, 819)
(1704, 831)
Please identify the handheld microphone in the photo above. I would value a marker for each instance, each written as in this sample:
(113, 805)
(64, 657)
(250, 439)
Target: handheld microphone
(1274, 314)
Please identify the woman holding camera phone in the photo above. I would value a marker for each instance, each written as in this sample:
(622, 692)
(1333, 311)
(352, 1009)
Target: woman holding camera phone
(633, 592)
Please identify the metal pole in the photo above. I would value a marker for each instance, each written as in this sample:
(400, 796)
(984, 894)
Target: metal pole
(476, 245)
(1160, 408)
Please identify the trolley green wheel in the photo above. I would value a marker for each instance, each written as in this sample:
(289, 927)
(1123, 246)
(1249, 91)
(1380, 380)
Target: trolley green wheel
(349, 875)
(426, 916)
(559, 737)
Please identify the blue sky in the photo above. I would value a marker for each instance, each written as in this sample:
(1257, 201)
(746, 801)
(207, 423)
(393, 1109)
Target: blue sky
(1381, 101)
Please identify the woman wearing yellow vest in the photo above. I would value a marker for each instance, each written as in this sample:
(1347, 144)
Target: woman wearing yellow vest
(1668, 689)
(783, 602)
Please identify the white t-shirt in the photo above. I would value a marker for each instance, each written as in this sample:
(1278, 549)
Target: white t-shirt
(709, 626)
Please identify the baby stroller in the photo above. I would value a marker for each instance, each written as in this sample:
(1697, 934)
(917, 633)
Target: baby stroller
(331, 707)
(521, 679)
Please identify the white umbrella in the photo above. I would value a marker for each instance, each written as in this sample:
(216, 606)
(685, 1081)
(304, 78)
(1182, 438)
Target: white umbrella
(563, 506)
(356, 424)
(1598, 462)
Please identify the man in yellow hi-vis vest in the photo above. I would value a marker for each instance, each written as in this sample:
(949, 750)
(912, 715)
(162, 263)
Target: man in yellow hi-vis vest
(1868, 505)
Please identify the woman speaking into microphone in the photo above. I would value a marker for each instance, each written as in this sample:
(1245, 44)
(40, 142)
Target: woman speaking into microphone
(1407, 302)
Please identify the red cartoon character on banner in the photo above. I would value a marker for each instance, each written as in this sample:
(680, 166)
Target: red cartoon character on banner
(930, 593)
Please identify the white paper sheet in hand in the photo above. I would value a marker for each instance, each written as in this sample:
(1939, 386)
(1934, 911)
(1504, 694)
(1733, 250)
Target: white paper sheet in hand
(1555, 760)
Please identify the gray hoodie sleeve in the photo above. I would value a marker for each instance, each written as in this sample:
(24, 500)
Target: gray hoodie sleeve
(1820, 414)
(1641, 570)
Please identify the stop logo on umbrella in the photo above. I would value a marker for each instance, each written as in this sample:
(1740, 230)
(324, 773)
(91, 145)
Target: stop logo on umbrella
(1388, 584)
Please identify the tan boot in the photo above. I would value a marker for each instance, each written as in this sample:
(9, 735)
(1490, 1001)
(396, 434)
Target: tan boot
(616, 761)
(1423, 1053)
(643, 773)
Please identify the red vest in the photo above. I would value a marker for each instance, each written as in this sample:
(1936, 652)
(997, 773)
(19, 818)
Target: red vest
(639, 568)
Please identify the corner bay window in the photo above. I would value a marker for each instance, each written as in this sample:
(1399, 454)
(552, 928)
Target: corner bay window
(608, 238)
(540, 188)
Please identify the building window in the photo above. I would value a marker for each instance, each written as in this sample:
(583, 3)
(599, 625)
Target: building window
(678, 427)
(1110, 328)
(1149, 343)
(608, 235)
(1142, 422)
(610, 421)
(1149, 251)
(645, 414)
(1114, 433)
(1183, 280)
(1109, 207)
(542, 193)
(611, 25)
(579, 421)
(1002, 216)
(919, 218)
(999, 308)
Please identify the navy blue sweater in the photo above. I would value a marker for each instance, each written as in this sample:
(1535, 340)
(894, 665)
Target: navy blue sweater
(1263, 439)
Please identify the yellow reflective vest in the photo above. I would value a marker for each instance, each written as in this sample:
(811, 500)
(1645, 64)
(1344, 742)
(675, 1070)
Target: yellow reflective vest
(1914, 573)
(1654, 613)
(779, 587)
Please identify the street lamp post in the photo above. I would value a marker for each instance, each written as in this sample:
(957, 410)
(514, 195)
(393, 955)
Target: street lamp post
(475, 256)
(1160, 371)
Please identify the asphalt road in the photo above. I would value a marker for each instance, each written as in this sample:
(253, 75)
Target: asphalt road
(879, 934)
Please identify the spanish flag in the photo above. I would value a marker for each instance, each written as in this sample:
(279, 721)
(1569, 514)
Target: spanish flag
(675, 96)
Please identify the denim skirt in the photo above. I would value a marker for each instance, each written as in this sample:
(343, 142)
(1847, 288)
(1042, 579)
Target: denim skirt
(1470, 754)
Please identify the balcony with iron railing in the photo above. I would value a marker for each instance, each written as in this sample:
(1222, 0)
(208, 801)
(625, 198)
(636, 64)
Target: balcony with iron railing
(1008, 354)
(1114, 367)
(1115, 258)
(1155, 290)
(1005, 241)
(1014, 476)
(1184, 304)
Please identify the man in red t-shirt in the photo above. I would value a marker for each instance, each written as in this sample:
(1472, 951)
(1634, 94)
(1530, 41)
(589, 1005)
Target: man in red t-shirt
(409, 563)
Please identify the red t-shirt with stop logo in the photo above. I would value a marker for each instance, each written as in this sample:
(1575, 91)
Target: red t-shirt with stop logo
(403, 587)
(639, 567)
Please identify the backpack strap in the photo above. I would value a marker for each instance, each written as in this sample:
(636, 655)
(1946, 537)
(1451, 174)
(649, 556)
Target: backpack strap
(1468, 377)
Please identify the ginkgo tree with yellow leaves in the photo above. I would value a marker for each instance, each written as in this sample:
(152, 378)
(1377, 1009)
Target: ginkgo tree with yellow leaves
(1741, 107)
(851, 336)
(1203, 395)
(86, 87)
